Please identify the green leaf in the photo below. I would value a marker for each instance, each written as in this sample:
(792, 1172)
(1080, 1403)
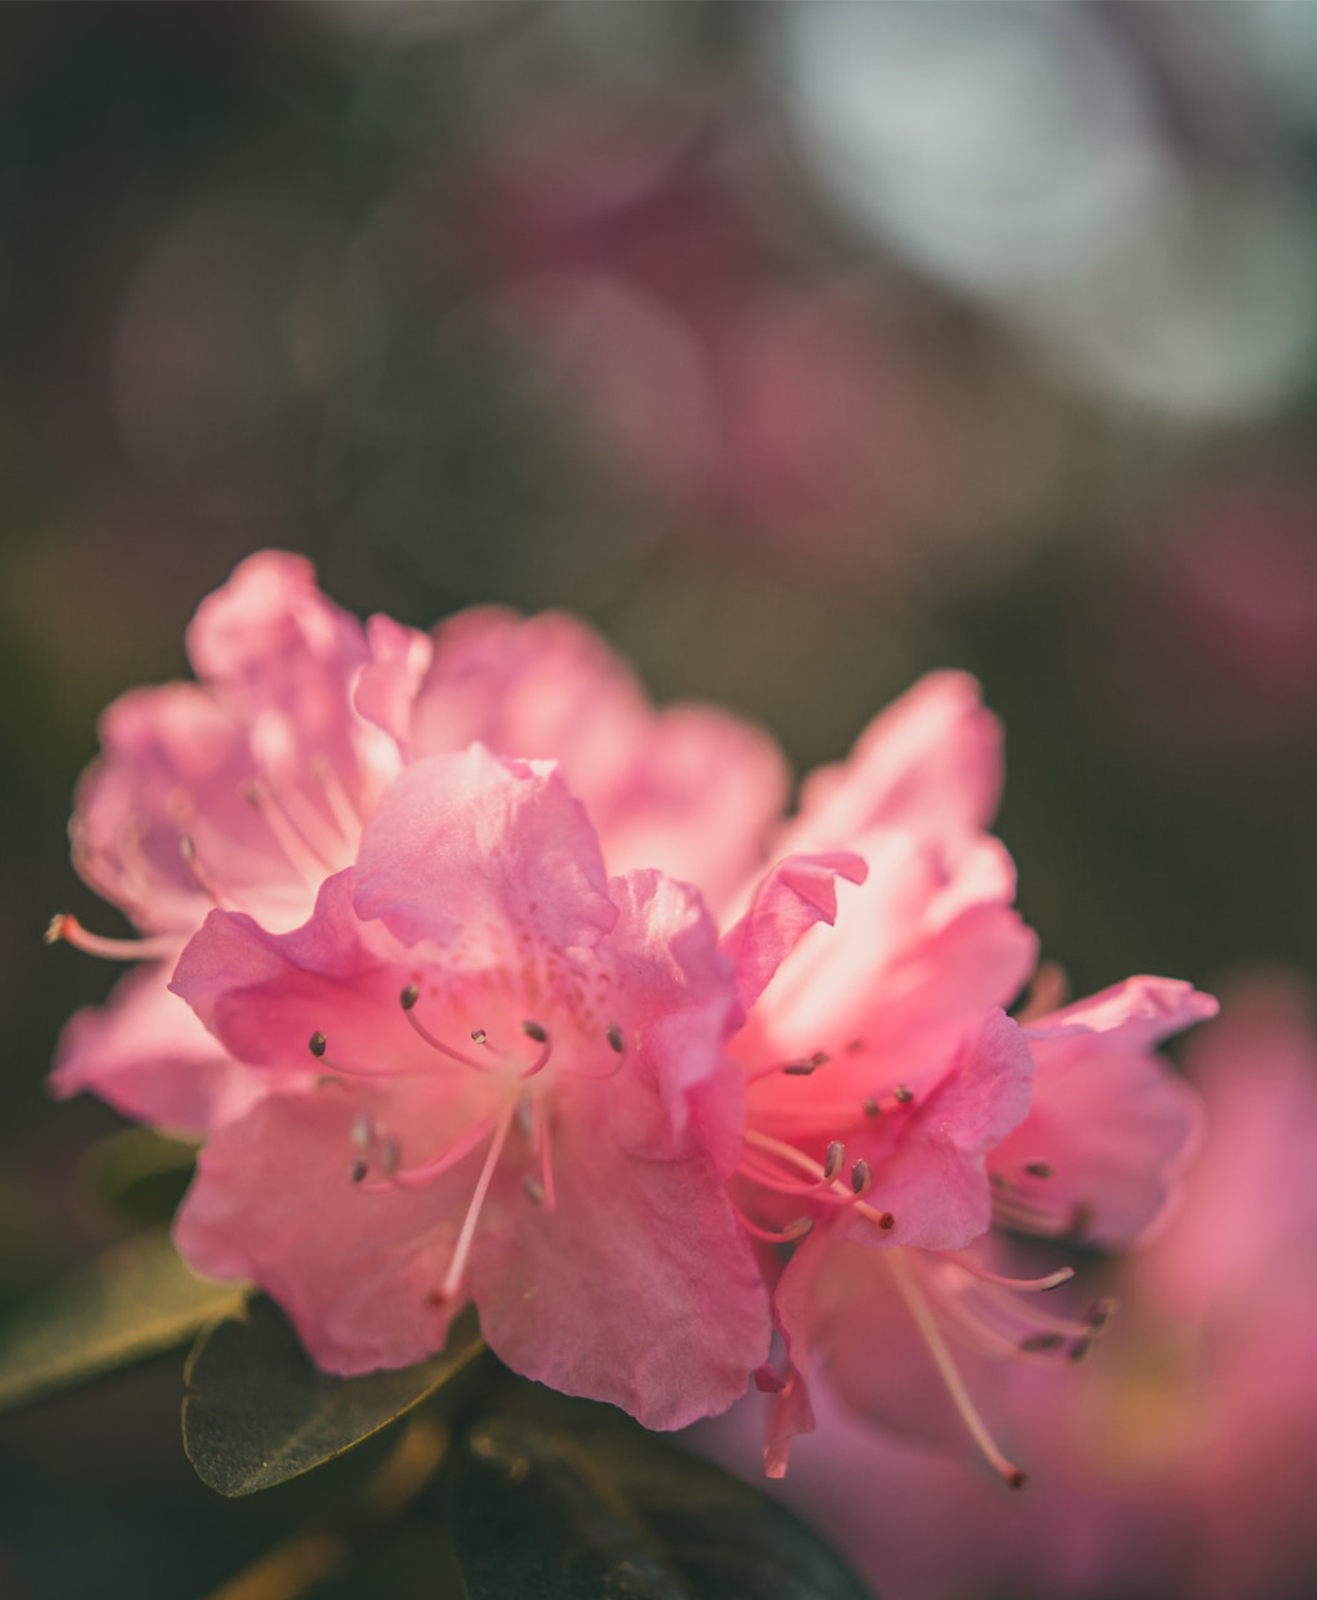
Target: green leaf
(589, 1509)
(140, 1175)
(258, 1412)
(136, 1300)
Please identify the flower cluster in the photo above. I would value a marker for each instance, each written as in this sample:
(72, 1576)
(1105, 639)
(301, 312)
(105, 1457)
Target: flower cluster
(481, 980)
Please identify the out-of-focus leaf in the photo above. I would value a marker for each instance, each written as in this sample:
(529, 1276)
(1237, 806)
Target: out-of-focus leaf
(135, 1300)
(258, 1412)
(587, 1509)
(140, 1175)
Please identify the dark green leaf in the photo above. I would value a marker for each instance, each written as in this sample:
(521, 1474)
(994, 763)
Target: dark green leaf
(140, 1175)
(587, 1509)
(134, 1301)
(258, 1412)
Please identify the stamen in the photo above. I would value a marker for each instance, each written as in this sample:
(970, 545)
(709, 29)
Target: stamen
(408, 998)
(340, 802)
(822, 1186)
(187, 848)
(1039, 1343)
(788, 1235)
(922, 1313)
(806, 1065)
(536, 1031)
(318, 1044)
(995, 1318)
(456, 1267)
(1100, 1314)
(65, 926)
(546, 1160)
(304, 859)
(428, 1171)
(1052, 1280)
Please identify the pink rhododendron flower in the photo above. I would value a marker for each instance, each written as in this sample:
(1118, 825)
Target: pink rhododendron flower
(246, 789)
(495, 1074)
(889, 1096)
(1182, 1461)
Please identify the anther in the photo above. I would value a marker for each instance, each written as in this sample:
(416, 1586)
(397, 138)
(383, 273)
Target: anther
(834, 1160)
(615, 1037)
(536, 1031)
(799, 1069)
(358, 1170)
(861, 1177)
(409, 996)
(820, 1058)
(390, 1155)
(363, 1131)
(1100, 1314)
(478, 1036)
(533, 1190)
(1036, 1343)
(872, 1108)
(902, 1095)
(1038, 1169)
(317, 1044)
(855, 1046)
(1080, 1348)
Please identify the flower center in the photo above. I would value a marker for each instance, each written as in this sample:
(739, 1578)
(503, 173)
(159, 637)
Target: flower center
(517, 1101)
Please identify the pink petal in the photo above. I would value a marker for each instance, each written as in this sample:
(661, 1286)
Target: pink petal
(674, 986)
(459, 840)
(929, 1163)
(355, 1271)
(263, 995)
(930, 763)
(913, 958)
(691, 791)
(1109, 1119)
(148, 1055)
(640, 1289)
(796, 894)
(174, 766)
(391, 679)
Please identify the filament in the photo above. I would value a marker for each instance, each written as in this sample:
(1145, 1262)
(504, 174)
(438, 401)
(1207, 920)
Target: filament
(65, 926)
(922, 1313)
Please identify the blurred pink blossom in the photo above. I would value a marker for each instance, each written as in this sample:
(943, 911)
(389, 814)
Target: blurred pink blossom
(661, 269)
(1213, 634)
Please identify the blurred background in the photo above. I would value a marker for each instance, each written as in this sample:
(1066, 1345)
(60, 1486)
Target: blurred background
(798, 347)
